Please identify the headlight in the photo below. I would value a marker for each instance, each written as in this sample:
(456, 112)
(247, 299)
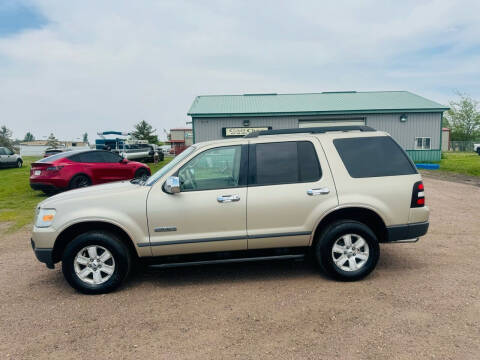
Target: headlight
(45, 218)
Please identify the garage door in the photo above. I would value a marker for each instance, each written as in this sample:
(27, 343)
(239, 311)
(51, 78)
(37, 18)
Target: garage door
(322, 123)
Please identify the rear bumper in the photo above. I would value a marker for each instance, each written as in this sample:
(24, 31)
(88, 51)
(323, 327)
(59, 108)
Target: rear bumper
(406, 232)
(43, 255)
(44, 186)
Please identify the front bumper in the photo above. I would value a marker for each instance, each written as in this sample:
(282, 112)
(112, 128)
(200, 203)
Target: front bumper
(399, 233)
(44, 255)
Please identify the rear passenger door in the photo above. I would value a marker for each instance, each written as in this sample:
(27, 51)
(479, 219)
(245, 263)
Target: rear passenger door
(289, 188)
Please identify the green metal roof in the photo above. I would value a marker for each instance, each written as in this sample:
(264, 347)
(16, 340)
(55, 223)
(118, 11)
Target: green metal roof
(310, 104)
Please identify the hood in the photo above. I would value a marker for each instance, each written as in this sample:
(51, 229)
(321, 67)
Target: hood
(95, 192)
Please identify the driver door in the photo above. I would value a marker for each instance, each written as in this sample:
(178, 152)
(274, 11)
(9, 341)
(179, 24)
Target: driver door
(209, 214)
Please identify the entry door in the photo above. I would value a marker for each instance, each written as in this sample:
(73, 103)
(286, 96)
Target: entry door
(209, 214)
(290, 188)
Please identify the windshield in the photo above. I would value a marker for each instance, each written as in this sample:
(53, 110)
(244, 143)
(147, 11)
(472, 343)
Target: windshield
(154, 178)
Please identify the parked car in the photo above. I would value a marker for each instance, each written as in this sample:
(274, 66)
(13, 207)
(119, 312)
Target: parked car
(50, 152)
(140, 152)
(76, 169)
(334, 193)
(476, 148)
(9, 159)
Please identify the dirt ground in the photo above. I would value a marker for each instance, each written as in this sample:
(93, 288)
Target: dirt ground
(422, 302)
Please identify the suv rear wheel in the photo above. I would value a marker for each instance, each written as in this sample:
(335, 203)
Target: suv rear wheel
(347, 250)
(96, 262)
(19, 163)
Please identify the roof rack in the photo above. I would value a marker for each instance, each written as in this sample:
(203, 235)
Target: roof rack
(312, 130)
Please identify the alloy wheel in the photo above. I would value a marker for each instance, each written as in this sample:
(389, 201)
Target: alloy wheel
(94, 264)
(350, 252)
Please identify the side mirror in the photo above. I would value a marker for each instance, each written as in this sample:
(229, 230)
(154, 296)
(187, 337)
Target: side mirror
(172, 185)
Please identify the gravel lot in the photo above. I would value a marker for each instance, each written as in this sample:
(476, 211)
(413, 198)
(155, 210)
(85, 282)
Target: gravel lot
(422, 302)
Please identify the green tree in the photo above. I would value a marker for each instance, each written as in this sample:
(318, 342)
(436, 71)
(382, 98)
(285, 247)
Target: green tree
(52, 141)
(29, 137)
(144, 131)
(5, 137)
(463, 119)
(85, 138)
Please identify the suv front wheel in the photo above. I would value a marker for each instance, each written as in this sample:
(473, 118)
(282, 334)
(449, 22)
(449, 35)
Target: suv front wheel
(96, 262)
(347, 250)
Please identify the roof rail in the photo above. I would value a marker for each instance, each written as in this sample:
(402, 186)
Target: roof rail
(312, 130)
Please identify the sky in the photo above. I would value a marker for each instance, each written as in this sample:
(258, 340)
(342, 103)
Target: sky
(69, 67)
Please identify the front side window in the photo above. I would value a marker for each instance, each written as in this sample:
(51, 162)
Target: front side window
(284, 163)
(422, 143)
(110, 157)
(217, 168)
(2, 151)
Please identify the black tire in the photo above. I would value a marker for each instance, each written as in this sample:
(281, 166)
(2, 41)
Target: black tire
(80, 181)
(323, 250)
(161, 156)
(19, 163)
(141, 173)
(478, 151)
(120, 255)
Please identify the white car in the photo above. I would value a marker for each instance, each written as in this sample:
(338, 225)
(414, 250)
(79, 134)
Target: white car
(476, 148)
(9, 159)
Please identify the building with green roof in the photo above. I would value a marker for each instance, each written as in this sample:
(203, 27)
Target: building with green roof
(414, 121)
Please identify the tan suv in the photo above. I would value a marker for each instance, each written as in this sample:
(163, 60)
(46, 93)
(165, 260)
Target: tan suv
(332, 193)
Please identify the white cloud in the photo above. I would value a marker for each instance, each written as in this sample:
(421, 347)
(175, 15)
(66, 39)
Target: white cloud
(106, 65)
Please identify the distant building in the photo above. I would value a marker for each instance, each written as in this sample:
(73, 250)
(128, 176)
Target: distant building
(414, 121)
(38, 147)
(180, 139)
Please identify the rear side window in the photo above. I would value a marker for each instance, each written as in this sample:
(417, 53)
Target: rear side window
(374, 157)
(53, 157)
(284, 163)
(88, 157)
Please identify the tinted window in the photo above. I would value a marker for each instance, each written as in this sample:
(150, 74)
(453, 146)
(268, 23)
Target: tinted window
(87, 157)
(54, 157)
(217, 168)
(110, 157)
(308, 162)
(374, 156)
(2, 151)
(284, 163)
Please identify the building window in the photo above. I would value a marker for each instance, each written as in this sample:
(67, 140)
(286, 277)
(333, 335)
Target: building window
(422, 143)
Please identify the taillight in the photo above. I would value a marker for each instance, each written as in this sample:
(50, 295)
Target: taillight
(418, 195)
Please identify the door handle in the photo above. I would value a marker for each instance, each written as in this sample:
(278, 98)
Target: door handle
(320, 191)
(228, 198)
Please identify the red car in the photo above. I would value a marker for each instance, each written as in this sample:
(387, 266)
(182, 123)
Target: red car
(76, 169)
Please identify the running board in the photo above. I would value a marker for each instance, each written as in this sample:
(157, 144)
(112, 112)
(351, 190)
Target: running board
(225, 261)
(404, 241)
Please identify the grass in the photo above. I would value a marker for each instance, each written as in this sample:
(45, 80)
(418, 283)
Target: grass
(18, 200)
(461, 163)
